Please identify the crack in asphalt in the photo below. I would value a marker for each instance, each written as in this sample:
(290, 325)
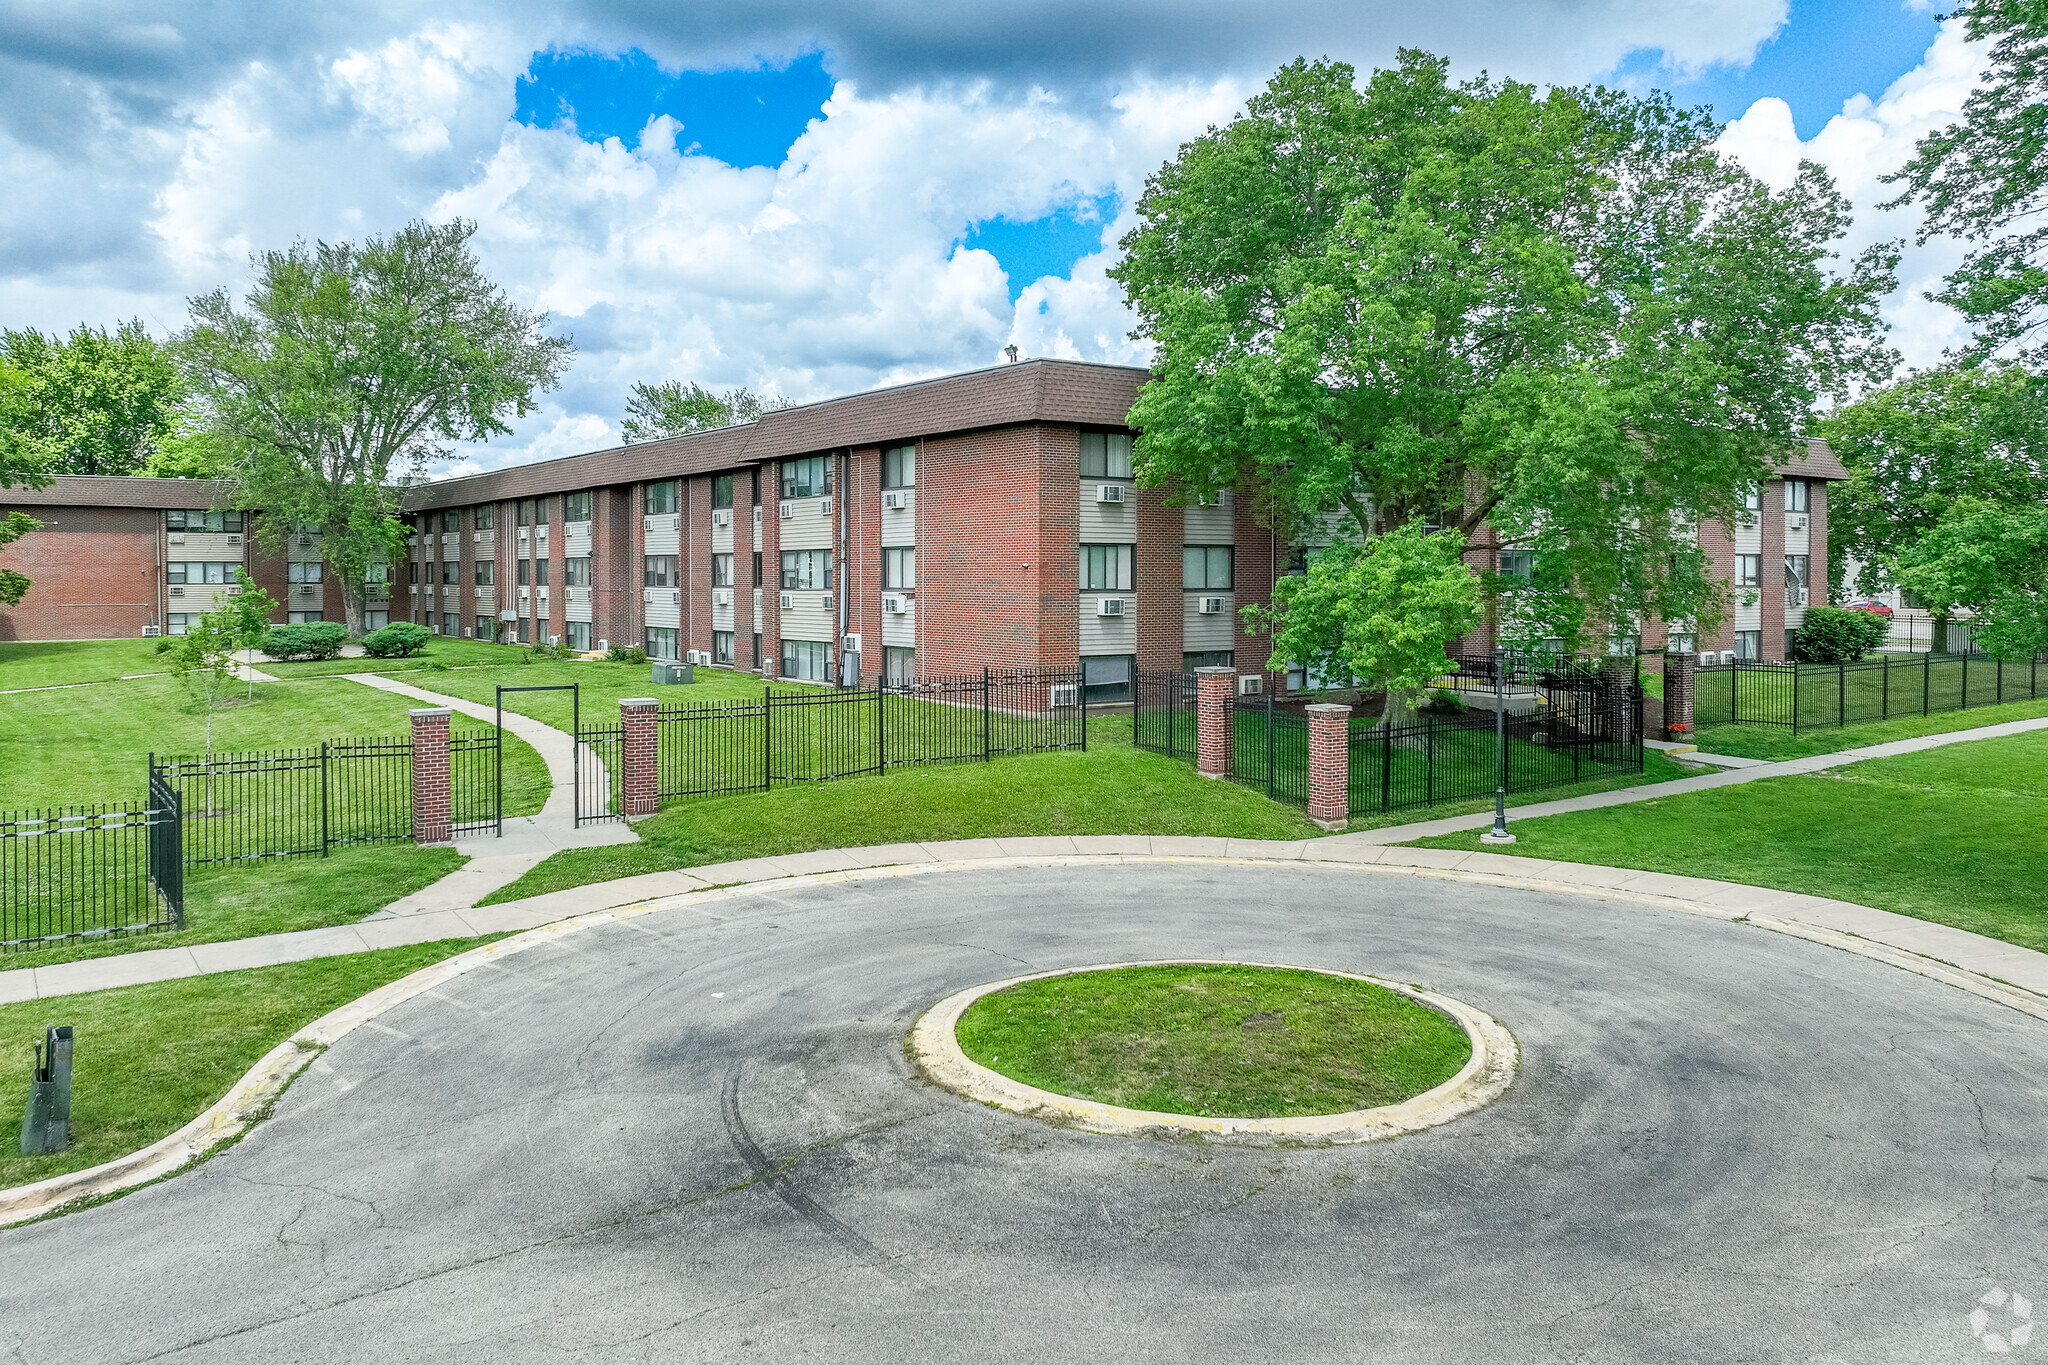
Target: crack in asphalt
(777, 1178)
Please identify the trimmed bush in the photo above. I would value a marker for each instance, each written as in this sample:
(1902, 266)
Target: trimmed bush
(619, 654)
(398, 640)
(1836, 635)
(314, 640)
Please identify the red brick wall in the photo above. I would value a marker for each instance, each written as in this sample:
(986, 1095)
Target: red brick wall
(1260, 560)
(695, 543)
(771, 568)
(1817, 544)
(1718, 540)
(267, 567)
(1157, 577)
(96, 575)
(743, 570)
(862, 581)
(1772, 617)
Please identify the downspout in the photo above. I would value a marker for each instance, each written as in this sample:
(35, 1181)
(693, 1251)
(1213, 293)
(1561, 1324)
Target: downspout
(845, 566)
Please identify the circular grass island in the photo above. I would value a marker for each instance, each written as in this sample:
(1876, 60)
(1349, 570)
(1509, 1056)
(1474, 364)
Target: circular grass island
(1227, 1048)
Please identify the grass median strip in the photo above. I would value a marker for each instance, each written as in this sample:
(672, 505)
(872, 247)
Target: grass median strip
(1781, 741)
(150, 1059)
(1956, 835)
(1215, 1040)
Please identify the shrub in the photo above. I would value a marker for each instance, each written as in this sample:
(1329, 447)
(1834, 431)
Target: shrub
(398, 640)
(1445, 702)
(314, 640)
(163, 645)
(620, 654)
(1836, 635)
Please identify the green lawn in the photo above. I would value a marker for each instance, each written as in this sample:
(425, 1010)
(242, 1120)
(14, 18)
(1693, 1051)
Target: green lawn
(602, 684)
(1957, 835)
(88, 744)
(1242, 1042)
(58, 662)
(441, 652)
(1879, 687)
(1780, 741)
(148, 1059)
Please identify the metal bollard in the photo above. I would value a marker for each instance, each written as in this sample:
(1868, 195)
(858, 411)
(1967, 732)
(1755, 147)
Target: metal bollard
(46, 1125)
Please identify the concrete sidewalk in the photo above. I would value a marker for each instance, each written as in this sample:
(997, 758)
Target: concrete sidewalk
(1747, 770)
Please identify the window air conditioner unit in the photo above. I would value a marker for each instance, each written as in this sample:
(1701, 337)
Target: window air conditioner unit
(234, 540)
(234, 592)
(1109, 606)
(1209, 606)
(305, 542)
(1797, 521)
(676, 597)
(1212, 500)
(1109, 492)
(827, 602)
(1250, 684)
(788, 511)
(757, 514)
(896, 501)
(788, 601)
(893, 605)
(177, 539)
(1063, 694)
(824, 507)
(1727, 656)
(850, 643)
(721, 516)
(721, 597)
(177, 591)
(149, 632)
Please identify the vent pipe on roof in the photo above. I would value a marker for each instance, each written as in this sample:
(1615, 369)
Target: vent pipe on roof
(1010, 352)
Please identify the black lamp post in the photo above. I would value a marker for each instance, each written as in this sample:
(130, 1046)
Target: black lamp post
(1499, 833)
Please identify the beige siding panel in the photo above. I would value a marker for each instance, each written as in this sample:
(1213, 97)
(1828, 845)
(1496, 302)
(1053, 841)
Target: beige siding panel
(1108, 523)
(900, 631)
(807, 527)
(899, 524)
(1108, 634)
(576, 541)
(209, 546)
(1211, 525)
(807, 619)
(1212, 631)
(663, 607)
(662, 534)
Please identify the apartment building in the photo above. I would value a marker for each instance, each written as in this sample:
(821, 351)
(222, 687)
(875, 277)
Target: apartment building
(985, 519)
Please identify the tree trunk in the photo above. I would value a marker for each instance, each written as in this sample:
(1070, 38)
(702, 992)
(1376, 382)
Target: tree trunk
(352, 604)
(1400, 713)
(1939, 644)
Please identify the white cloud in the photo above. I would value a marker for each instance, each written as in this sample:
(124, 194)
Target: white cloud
(1868, 140)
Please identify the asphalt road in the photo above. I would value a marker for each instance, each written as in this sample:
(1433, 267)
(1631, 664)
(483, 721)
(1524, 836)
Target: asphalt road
(694, 1136)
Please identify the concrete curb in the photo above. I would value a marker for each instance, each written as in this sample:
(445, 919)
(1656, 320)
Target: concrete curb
(1484, 1078)
(250, 1098)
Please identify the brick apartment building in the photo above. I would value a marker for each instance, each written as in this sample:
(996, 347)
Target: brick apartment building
(981, 519)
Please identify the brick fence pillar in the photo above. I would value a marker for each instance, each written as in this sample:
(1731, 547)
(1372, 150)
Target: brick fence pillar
(1215, 690)
(433, 817)
(641, 782)
(1678, 691)
(1329, 765)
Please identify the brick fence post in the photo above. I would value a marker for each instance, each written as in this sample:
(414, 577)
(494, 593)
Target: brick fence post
(641, 781)
(433, 817)
(1678, 692)
(1214, 699)
(1329, 765)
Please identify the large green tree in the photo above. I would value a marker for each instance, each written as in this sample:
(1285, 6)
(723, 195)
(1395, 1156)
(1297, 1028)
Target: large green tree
(1559, 313)
(96, 402)
(675, 408)
(1913, 448)
(1992, 558)
(352, 366)
(20, 459)
(1984, 177)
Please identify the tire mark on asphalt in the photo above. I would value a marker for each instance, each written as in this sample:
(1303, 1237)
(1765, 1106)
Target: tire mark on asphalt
(777, 1178)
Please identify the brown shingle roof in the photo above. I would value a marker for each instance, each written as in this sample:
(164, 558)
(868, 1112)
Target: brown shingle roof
(103, 490)
(1818, 462)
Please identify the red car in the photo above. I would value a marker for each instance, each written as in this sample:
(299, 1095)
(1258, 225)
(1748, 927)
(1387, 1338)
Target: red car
(1875, 608)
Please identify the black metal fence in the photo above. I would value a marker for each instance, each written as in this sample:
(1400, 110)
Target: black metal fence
(1568, 720)
(1809, 696)
(89, 871)
(806, 735)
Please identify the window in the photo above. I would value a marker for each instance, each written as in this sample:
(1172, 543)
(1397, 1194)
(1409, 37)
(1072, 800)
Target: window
(1105, 455)
(660, 498)
(376, 573)
(177, 520)
(524, 568)
(451, 571)
(301, 618)
(486, 628)
(807, 569)
(576, 507)
(899, 665)
(1297, 561)
(757, 568)
(754, 485)
(540, 511)
(1681, 642)
(208, 572)
(1190, 660)
(807, 660)
(485, 517)
(1753, 498)
(721, 647)
(1205, 566)
(757, 650)
(1518, 564)
(721, 491)
(519, 632)
(1749, 570)
(486, 573)
(576, 572)
(721, 571)
(1791, 643)
(375, 620)
(1106, 679)
(451, 624)
(1795, 580)
(178, 622)
(899, 467)
(659, 571)
(809, 477)
(540, 573)
(578, 635)
(451, 520)
(1795, 495)
(899, 568)
(1105, 568)
(1748, 645)
(661, 642)
(526, 511)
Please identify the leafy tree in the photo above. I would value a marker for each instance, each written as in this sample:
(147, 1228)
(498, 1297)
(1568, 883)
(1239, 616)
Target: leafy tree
(1837, 635)
(1915, 447)
(190, 450)
(674, 408)
(348, 369)
(1381, 610)
(204, 657)
(1561, 314)
(252, 610)
(1992, 558)
(96, 402)
(19, 460)
(1986, 174)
